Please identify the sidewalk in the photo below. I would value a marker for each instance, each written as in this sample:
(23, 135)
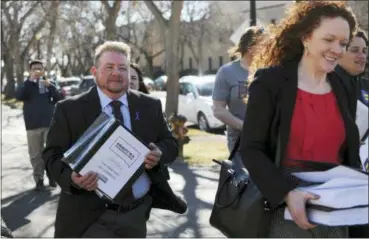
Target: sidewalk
(31, 214)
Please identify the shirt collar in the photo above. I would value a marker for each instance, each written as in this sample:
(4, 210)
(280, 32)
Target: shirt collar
(105, 100)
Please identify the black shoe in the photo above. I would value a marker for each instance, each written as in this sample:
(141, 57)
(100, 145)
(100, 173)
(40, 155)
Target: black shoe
(52, 183)
(40, 185)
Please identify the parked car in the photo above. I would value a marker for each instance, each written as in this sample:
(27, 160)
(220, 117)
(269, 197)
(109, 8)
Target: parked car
(195, 101)
(67, 84)
(85, 84)
(161, 83)
(149, 83)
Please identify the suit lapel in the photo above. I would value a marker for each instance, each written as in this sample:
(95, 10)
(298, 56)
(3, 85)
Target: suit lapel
(288, 99)
(92, 106)
(134, 106)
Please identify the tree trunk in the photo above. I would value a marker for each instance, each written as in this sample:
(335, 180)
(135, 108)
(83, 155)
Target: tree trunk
(50, 40)
(9, 90)
(19, 63)
(171, 42)
(200, 58)
(110, 21)
(170, 31)
(150, 66)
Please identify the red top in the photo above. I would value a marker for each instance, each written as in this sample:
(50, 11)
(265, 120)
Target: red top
(317, 130)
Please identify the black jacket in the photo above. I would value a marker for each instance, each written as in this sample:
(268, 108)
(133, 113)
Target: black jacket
(355, 85)
(78, 208)
(270, 107)
(37, 108)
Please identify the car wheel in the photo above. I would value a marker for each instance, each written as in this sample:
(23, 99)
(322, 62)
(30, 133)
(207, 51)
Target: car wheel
(202, 122)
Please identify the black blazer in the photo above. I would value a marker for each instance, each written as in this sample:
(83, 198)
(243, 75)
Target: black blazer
(271, 101)
(78, 208)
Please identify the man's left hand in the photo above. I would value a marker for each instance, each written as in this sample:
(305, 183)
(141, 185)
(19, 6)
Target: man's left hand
(153, 157)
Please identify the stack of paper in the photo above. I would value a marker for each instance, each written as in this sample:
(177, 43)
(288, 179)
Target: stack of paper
(343, 197)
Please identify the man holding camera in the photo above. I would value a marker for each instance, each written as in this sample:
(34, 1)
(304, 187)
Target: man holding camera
(39, 96)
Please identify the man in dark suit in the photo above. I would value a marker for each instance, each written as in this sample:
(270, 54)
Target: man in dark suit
(81, 213)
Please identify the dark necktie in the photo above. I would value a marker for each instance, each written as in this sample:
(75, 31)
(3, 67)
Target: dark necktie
(116, 105)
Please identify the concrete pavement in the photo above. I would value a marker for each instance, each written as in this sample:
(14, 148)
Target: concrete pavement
(31, 214)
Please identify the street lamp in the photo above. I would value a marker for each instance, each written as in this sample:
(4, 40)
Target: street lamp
(252, 13)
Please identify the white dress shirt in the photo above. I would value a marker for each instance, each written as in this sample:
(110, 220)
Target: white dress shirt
(142, 185)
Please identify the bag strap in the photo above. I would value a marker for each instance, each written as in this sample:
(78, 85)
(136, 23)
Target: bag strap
(235, 148)
(277, 154)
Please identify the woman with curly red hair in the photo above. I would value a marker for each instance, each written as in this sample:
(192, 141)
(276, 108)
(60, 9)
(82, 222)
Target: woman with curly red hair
(296, 102)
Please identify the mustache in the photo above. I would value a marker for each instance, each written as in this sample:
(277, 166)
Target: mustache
(112, 78)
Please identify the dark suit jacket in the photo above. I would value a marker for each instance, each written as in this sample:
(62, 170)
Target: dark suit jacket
(271, 101)
(78, 208)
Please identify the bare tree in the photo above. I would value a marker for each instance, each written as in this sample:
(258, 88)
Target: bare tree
(360, 8)
(170, 31)
(139, 34)
(111, 15)
(19, 39)
(52, 26)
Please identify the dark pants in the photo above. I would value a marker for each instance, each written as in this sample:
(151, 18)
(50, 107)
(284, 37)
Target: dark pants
(114, 224)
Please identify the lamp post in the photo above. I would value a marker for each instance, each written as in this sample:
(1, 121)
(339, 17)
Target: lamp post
(252, 13)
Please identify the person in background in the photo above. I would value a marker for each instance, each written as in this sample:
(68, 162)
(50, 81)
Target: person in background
(351, 68)
(230, 85)
(137, 82)
(297, 104)
(39, 95)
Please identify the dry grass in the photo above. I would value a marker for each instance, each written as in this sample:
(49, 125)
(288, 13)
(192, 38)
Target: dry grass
(12, 103)
(196, 132)
(203, 152)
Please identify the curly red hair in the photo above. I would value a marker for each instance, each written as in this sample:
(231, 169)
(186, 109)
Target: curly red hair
(284, 43)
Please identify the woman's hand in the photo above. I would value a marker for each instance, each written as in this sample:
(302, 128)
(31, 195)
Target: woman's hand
(296, 204)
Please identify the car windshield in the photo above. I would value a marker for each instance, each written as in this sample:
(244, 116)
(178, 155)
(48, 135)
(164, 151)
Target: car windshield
(205, 89)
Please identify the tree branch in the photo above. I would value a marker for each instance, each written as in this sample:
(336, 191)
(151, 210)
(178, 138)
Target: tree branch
(28, 13)
(116, 7)
(106, 5)
(157, 13)
(158, 53)
(33, 39)
(7, 14)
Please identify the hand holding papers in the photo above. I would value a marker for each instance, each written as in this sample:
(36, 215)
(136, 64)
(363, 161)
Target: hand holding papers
(113, 152)
(343, 197)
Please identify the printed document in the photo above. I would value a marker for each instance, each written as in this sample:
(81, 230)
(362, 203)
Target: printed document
(116, 161)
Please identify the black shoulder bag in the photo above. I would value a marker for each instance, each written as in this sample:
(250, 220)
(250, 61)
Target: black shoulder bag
(239, 209)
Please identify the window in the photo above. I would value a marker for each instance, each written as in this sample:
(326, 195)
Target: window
(220, 61)
(185, 88)
(210, 64)
(205, 89)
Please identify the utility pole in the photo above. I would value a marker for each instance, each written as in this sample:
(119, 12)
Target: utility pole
(252, 12)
